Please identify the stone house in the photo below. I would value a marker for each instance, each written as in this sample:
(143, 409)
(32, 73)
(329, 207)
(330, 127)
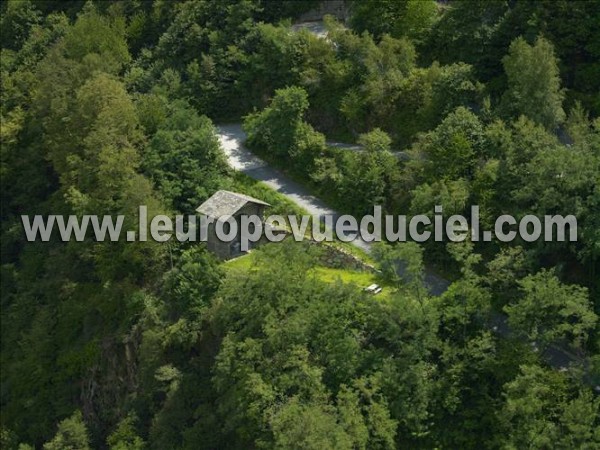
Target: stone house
(222, 205)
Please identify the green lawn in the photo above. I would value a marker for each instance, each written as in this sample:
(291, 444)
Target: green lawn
(240, 263)
(282, 205)
(360, 279)
(326, 274)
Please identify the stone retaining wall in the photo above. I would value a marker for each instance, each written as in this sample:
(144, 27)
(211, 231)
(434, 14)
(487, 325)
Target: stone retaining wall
(337, 258)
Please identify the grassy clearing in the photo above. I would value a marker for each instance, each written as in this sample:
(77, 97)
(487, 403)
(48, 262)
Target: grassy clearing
(360, 279)
(325, 274)
(241, 263)
(284, 206)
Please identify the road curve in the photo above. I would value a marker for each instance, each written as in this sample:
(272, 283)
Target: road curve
(232, 137)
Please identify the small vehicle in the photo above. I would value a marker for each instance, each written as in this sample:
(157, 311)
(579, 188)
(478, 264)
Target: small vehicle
(373, 289)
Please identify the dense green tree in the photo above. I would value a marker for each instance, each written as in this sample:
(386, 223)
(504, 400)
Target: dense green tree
(125, 437)
(402, 265)
(369, 174)
(549, 310)
(298, 426)
(183, 158)
(505, 270)
(452, 196)
(18, 18)
(279, 130)
(465, 32)
(451, 150)
(273, 57)
(539, 411)
(382, 69)
(466, 304)
(71, 435)
(514, 145)
(193, 281)
(198, 25)
(275, 128)
(398, 18)
(480, 33)
(534, 82)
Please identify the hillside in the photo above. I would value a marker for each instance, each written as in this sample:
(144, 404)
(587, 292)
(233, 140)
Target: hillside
(423, 108)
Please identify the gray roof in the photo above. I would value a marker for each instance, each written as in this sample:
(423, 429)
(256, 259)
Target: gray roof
(226, 203)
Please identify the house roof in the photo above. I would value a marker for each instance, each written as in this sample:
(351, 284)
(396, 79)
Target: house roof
(226, 203)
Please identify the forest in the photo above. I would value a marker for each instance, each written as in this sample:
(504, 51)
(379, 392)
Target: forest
(108, 105)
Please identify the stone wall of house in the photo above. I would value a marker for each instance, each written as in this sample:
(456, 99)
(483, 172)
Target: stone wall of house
(225, 250)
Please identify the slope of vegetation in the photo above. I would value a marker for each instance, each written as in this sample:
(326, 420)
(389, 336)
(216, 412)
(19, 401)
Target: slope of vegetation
(109, 105)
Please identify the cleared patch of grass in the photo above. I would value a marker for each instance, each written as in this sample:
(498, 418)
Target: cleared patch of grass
(360, 279)
(326, 274)
(284, 206)
(242, 263)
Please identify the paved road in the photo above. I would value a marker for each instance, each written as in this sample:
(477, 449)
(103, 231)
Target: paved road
(316, 27)
(232, 139)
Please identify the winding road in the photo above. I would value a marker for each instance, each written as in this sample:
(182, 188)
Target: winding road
(232, 138)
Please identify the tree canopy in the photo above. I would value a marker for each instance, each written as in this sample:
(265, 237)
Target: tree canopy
(403, 104)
